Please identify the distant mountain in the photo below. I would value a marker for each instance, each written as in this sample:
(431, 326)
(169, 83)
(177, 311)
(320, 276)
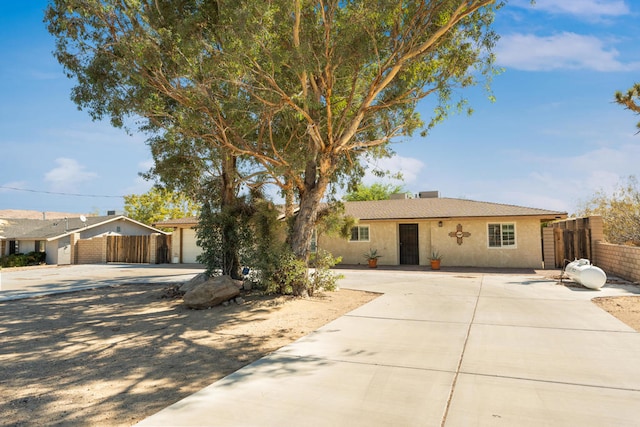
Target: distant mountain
(26, 214)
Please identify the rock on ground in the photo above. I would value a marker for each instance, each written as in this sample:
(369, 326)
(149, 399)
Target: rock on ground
(196, 280)
(211, 293)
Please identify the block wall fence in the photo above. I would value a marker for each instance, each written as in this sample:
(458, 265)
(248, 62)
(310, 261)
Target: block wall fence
(619, 260)
(92, 251)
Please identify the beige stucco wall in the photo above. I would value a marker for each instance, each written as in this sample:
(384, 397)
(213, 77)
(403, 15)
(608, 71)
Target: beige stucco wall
(474, 251)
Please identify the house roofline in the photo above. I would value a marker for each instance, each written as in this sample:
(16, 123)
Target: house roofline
(549, 217)
(115, 218)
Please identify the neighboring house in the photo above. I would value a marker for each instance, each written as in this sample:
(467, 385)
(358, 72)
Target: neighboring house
(405, 231)
(58, 237)
(184, 249)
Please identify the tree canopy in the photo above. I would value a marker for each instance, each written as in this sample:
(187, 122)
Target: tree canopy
(620, 212)
(630, 100)
(375, 191)
(158, 204)
(299, 91)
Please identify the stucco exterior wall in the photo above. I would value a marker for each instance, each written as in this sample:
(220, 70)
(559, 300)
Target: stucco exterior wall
(473, 252)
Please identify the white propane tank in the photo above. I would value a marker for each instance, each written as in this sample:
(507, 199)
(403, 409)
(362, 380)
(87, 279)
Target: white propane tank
(581, 271)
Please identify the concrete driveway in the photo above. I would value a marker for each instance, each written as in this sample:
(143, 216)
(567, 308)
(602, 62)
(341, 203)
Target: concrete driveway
(440, 349)
(16, 283)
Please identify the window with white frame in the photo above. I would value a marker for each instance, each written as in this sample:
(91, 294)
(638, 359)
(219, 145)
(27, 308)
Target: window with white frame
(502, 235)
(360, 234)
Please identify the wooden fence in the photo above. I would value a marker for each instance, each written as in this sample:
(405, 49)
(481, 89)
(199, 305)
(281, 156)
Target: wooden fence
(138, 249)
(575, 238)
(572, 244)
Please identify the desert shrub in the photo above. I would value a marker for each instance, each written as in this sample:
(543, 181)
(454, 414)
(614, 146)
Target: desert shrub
(321, 277)
(288, 276)
(22, 260)
(292, 276)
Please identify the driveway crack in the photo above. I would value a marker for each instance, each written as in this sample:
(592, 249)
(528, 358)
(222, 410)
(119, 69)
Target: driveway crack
(464, 348)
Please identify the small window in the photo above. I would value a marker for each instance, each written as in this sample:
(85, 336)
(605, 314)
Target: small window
(14, 247)
(41, 245)
(360, 234)
(502, 235)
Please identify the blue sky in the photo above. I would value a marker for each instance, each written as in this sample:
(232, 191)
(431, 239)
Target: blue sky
(552, 138)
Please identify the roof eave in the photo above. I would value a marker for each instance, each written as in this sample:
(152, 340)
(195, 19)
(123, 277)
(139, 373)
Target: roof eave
(549, 217)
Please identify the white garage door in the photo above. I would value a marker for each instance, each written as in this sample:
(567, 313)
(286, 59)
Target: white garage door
(189, 248)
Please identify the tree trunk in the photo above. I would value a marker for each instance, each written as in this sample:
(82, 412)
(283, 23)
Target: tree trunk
(229, 202)
(315, 185)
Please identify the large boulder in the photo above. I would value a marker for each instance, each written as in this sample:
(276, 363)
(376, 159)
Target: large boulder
(211, 293)
(196, 280)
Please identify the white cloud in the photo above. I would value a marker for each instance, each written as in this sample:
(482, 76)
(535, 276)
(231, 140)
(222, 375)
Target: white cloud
(561, 51)
(589, 9)
(68, 175)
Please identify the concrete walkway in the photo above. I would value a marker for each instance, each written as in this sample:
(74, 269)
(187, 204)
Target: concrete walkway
(440, 349)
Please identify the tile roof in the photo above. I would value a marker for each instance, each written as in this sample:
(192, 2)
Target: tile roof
(439, 208)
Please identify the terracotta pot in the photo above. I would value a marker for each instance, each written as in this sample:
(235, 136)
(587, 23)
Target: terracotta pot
(373, 263)
(435, 264)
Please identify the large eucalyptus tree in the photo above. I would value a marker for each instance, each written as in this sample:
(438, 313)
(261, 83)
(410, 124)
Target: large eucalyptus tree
(301, 89)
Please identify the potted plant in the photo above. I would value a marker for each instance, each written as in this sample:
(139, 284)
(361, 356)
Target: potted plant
(372, 257)
(436, 257)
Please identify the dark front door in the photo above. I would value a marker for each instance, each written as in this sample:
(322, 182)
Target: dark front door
(409, 254)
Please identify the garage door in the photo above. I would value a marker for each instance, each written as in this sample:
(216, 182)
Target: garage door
(189, 248)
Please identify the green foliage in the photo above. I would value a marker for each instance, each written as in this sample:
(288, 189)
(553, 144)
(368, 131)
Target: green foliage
(322, 278)
(332, 221)
(265, 248)
(158, 204)
(288, 277)
(291, 275)
(223, 233)
(376, 191)
(620, 212)
(372, 254)
(630, 100)
(435, 255)
(274, 268)
(299, 91)
(23, 260)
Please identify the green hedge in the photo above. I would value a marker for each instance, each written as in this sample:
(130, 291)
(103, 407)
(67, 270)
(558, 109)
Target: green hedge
(23, 260)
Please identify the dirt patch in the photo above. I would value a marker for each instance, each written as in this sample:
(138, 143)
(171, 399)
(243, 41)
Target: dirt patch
(114, 356)
(626, 309)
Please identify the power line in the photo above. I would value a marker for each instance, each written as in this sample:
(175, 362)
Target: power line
(58, 193)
